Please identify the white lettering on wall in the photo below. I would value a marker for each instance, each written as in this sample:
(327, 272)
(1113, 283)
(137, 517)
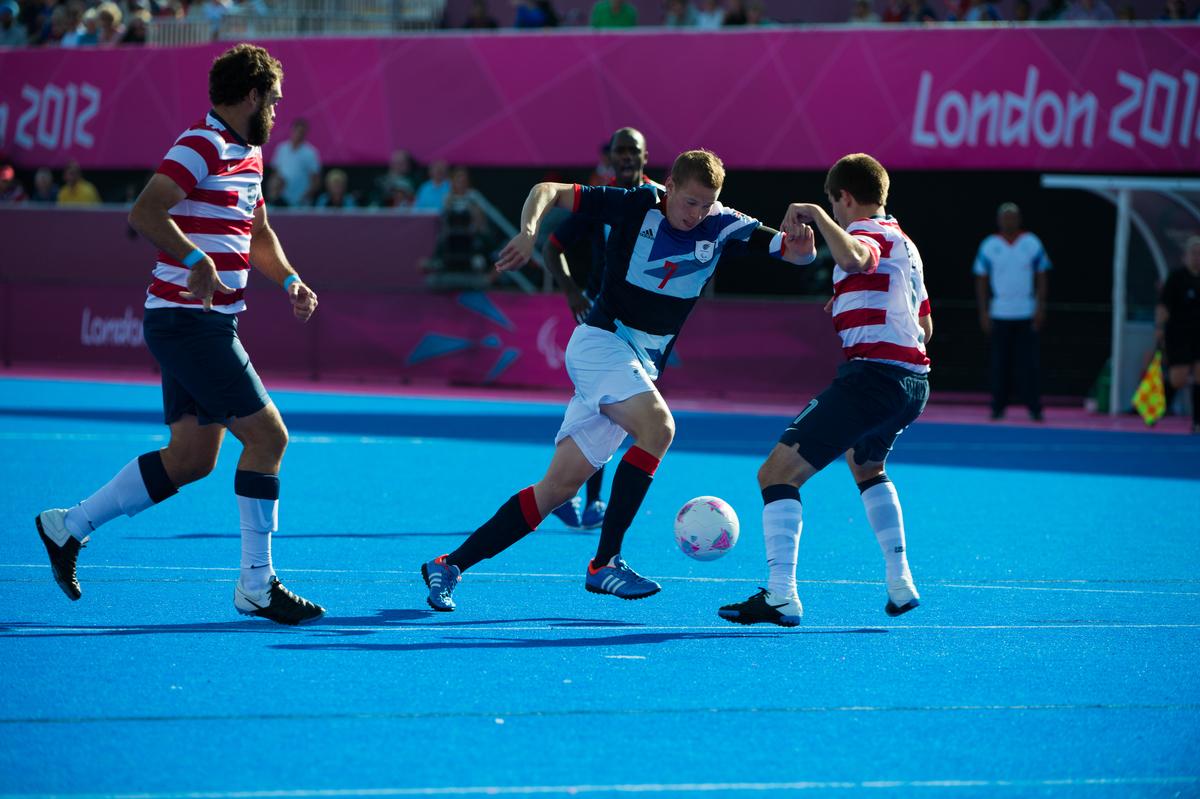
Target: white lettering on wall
(54, 117)
(1159, 109)
(111, 331)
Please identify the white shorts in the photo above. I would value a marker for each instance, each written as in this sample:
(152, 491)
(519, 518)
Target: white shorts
(605, 370)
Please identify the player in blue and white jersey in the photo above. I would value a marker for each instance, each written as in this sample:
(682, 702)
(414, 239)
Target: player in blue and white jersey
(661, 253)
(627, 151)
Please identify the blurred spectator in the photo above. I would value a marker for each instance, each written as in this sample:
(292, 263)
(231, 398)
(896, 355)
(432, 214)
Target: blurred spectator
(11, 190)
(76, 190)
(1053, 11)
(1177, 327)
(1088, 11)
(1022, 11)
(918, 11)
(12, 32)
(1011, 285)
(135, 31)
(402, 195)
(460, 257)
(44, 188)
(862, 13)
(111, 30)
(400, 174)
(894, 11)
(708, 15)
(432, 194)
(535, 14)
(756, 14)
(735, 13)
(300, 164)
(954, 10)
(981, 11)
(1175, 11)
(76, 31)
(679, 14)
(613, 14)
(1126, 14)
(602, 174)
(273, 191)
(478, 18)
(336, 194)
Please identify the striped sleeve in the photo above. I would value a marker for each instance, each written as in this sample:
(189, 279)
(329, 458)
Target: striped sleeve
(875, 243)
(193, 158)
(738, 226)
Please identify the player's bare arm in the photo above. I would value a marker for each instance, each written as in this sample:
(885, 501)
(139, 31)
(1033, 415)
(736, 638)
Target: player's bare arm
(849, 253)
(798, 248)
(151, 217)
(926, 323)
(541, 197)
(266, 255)
(556, 265)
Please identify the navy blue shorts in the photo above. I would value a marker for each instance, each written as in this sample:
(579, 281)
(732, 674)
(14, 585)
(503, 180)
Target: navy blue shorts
(865, 408)
(206, 372)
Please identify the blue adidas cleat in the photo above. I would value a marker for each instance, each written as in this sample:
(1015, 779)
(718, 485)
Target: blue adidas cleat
(568, 513)
(593, 515)
(619, 580)
(441, 578)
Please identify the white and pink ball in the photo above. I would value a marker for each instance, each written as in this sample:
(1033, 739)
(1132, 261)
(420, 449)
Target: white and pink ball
(706, 528)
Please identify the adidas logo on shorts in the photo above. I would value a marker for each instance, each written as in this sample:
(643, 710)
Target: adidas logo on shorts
(647, 234)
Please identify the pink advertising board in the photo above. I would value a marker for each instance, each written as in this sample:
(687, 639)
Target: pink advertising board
(1110, 98)
(85, 311)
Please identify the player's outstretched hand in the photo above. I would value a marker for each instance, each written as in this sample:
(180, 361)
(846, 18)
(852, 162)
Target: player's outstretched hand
(203, 282)
(304, 300)
(516, 253)
(803, 240)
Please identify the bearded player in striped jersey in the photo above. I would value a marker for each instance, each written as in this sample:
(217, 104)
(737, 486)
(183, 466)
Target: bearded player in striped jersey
(204, 211)
(881, 312)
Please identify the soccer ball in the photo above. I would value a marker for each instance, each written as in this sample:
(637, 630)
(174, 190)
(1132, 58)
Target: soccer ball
(706, 528)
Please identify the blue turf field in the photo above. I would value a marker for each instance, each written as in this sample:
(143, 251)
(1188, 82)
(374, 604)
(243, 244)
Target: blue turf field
(1056, 651)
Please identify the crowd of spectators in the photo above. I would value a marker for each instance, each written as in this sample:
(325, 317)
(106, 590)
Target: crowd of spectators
(107, 23)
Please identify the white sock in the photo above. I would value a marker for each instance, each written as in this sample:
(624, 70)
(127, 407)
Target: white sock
(259, 518)
(125, 494)
(781, 531)
(882, 504)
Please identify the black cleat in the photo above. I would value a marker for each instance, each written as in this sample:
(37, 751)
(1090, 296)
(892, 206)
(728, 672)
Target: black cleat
(762, 608)
(277, 604)
(64, 556)
(902, 597)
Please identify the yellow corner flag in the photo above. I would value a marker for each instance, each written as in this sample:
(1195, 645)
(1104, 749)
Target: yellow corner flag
(1150, 400)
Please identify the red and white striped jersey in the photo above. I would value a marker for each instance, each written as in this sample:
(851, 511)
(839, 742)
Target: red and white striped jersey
(222, 176)
(876, 312)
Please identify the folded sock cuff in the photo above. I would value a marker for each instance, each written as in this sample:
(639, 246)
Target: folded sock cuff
(874, 481)
(781, 491)
(154, 476)
(256, 485)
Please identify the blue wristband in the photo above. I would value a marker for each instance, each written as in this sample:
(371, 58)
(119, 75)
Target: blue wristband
(192, 258)
(289, 280)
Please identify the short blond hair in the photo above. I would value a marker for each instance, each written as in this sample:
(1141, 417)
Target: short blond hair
(702, 166)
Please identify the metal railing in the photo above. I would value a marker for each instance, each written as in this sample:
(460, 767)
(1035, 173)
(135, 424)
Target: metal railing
(290, 18)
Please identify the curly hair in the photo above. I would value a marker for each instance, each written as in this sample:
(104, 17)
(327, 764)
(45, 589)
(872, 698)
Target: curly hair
(238, 70)
(862, 176)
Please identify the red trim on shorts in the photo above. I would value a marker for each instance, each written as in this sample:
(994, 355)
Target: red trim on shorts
(641, 459)
(529, 508)
(578, 197)
(557, 244)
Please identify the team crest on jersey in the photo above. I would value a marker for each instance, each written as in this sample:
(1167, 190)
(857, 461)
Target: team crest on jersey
(705, 250)
(252, 196)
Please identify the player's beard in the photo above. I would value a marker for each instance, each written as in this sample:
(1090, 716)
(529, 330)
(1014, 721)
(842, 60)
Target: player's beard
(260, 125)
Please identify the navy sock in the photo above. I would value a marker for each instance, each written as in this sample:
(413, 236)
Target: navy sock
(630, 484)
(515, 519)
(154, 475)
(594, 484)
